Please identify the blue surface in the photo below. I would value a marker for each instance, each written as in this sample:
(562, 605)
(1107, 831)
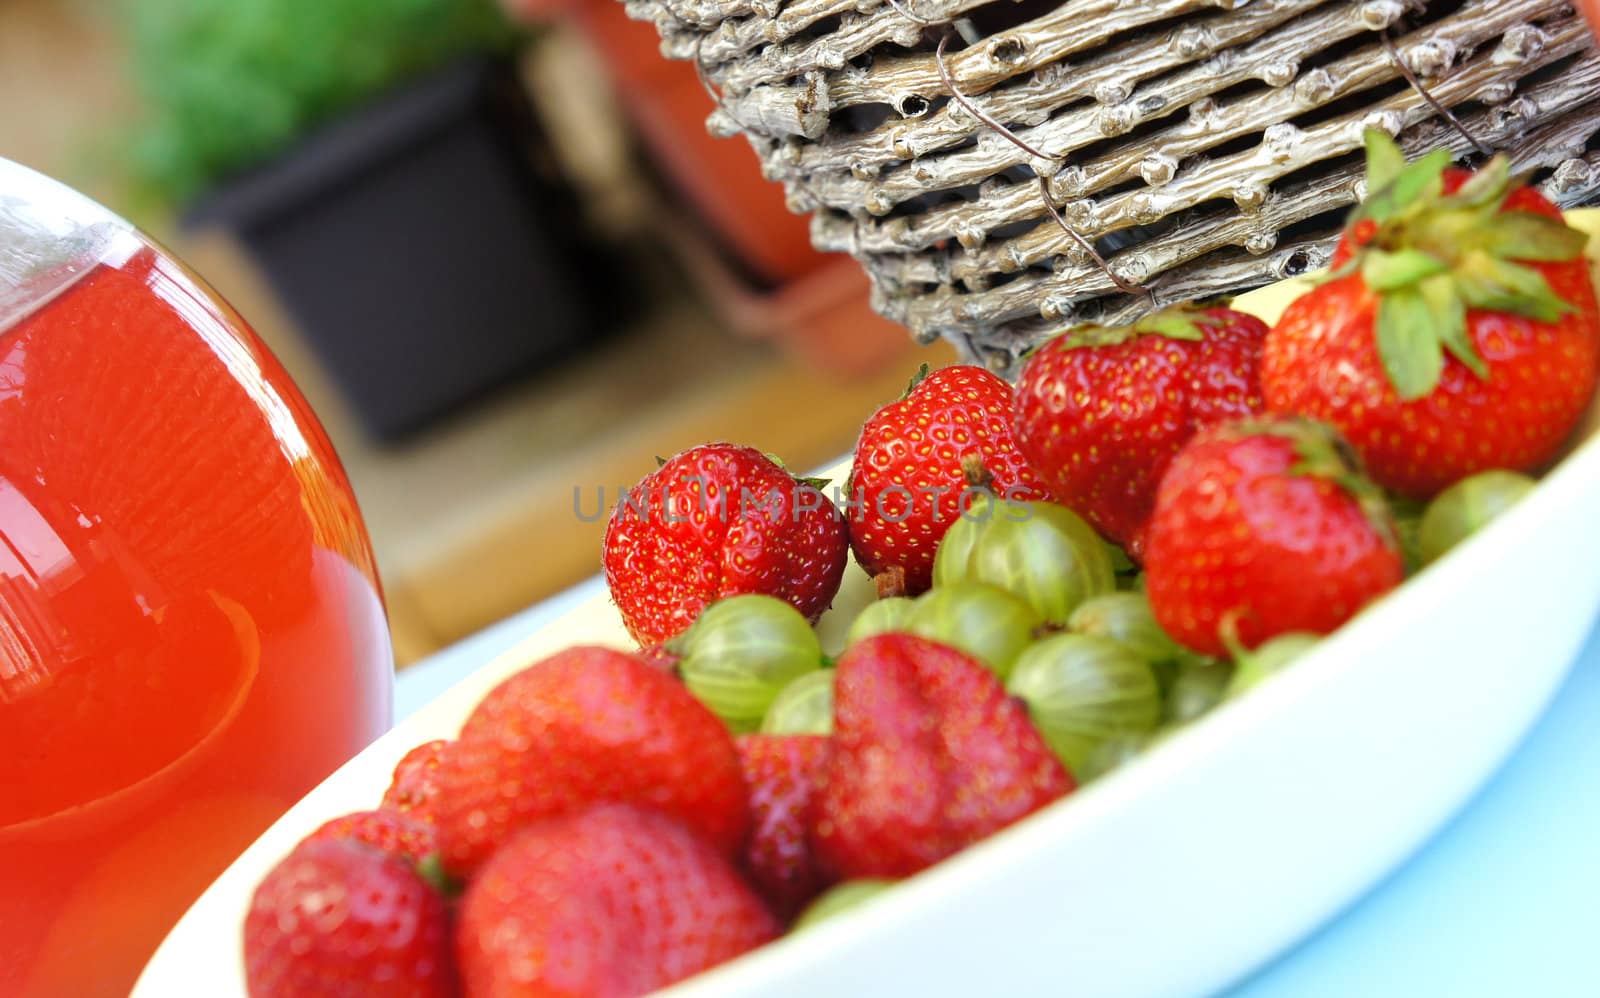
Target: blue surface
(1504, 902)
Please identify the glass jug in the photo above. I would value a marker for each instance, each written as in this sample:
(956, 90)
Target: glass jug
(191, 629)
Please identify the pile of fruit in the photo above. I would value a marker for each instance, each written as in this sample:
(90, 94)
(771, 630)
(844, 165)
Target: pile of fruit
(1155, 519)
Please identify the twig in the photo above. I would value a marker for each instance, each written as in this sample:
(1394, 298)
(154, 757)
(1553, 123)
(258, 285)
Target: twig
(700, 74)
(1121, 282)
(1433, 102)
(913, 18)
(977, 112)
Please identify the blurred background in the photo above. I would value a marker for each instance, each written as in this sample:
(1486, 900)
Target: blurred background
(492, 242)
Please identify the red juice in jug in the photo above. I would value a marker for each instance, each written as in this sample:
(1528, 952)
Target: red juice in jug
(191, 630)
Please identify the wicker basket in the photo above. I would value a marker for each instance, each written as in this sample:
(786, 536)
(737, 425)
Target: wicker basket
(1201, 146)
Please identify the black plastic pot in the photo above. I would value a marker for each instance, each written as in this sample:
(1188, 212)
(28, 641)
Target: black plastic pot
(425, 244)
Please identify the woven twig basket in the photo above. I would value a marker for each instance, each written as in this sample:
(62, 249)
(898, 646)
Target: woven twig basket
(1203, 146)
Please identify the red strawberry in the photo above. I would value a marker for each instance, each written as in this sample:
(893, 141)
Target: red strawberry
(1100, 411)
(583, 726)
(907, 478)
(783, 772)
(929, 755)
(390, 832)
(414, 790)
(339, 918)
(1270, 525)
(1459, 333)
(720, 520)
(611, 901)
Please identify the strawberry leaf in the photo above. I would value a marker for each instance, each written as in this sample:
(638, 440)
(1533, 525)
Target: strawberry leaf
(1409, 343)
(1323, 453)
(916, 379)
(1385, 160)
(1524, 235)
(1450, 317)
(1495, 285)
(1488, 186)
(1383, 271)
(1338, 273)
(1175, 324)
(1420, 181)
(1090, 335)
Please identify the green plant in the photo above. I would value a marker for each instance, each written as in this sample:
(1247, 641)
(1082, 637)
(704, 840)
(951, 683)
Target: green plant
(231, 83)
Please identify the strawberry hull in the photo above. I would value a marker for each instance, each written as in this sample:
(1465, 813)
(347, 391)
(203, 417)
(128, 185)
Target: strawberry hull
(1460, 333)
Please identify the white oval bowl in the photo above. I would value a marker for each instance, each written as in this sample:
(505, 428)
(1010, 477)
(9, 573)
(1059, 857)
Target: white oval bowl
(1182, 871)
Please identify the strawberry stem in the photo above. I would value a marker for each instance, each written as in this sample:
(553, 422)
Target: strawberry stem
(1228, 634)
(890, 582)
(977, 476)
(431, 869)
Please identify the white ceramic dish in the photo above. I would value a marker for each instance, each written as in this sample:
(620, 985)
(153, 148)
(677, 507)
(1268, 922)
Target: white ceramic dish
(1181, 872)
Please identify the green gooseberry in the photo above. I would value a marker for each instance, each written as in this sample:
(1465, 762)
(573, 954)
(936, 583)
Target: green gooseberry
(804, 707)
(881, 617)
(1408, 534)
(1130, 577)
(1407, 514)
(1127, 617)
(1042, 552)
(954, 557)
(1082, 690)
(742, 651)
(1201, 684)
(840, 898)
(1113, 753)
(1466, 507)
(986, 622)
(1251, 667)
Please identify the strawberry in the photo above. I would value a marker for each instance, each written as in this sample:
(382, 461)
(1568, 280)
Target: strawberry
(610, 901)
(907, 478)
(339, 918)
(1458, 331)
(720, 520)
(414, 790)
(1269, 527)
(929, 755)
(388, 831)
(783, 772)
(1100, 411)
(583, 726)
